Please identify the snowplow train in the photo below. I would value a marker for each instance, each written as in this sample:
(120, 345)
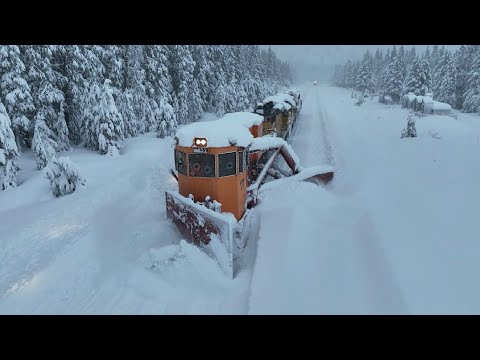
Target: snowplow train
(220, 166)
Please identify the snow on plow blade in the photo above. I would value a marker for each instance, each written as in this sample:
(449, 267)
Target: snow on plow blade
(204, 227)
(317, 175)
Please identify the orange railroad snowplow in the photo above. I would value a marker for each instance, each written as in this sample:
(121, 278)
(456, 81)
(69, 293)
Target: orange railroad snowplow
(220, 166)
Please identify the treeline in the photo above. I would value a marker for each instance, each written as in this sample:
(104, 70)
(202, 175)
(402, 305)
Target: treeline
(53, 96)
(452, 77)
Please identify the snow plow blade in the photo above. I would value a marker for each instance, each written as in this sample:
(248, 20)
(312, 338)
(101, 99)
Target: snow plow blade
(318, 175)
(204, 227)
(321, 177)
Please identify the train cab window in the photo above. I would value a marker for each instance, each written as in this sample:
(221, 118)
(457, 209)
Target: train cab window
(201, 165)
(181, 162)
(242, 161)
(227, 164)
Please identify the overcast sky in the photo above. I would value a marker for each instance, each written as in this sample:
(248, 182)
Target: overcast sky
(317, 61)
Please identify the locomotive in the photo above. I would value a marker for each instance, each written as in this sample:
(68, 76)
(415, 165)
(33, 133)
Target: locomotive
(220, 167)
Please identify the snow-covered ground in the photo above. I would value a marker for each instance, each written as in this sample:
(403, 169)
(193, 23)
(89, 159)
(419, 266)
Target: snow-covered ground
(394, 233)
(93, 251)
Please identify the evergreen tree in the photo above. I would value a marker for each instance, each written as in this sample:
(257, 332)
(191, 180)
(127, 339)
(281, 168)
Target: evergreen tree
(410, 58)
(16, 94)
(114, 65)
(181, 72)
(472, 93)
(392, 81)
(365, 75)
(418, 80)
(127, 110)
(60, 130)
(349, 75)
(402, 61)
(64, 176)
(427, 55)
(465, 58)
(167, 124)
(51, 112)
(8, 152)
(110, 136)
(410, 130)
(43, 145)
(71, 63)
(445, 79)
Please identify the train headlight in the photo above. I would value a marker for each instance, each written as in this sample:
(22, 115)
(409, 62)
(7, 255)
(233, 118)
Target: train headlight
(200, 141)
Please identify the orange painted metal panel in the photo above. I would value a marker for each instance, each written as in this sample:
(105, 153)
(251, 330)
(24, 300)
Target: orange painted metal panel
(230, 191)
(257, 130)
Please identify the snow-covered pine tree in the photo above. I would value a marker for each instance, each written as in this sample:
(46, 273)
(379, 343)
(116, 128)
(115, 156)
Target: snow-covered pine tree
(467, 64)
(207, 75)
(202, 74)
(360, 99)
(231, 96)
(355, 72)
(167, 124)
(50, 108)
(8, 152)
(195, 107)
(393, 81)
(402, 62)
(256, 75)
(427, 55)
(136, 85)
(393, 53)
(110, 135)
(463, 64)
(418, 80)
(94, 56)
(149, 106)
(411, 55)
(410, 130)
(221, 100)
(433, 61)
(338, 75)
(104, 128)
(45, 84)
(89, 118)
(70, 62)
(472, 87)
(181, 67)
(114, 65)
(157, 79)
(39, 68)
(377, 69)
(43, 145)
(349, 75)
(64, 176)
(16, 94)
(243, 104)
(364, 82)
(126, 108)
(60, 130)
(444, 79)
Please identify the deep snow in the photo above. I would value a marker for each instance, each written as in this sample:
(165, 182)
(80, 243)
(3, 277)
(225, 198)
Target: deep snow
(396, 232)
(93, 251)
